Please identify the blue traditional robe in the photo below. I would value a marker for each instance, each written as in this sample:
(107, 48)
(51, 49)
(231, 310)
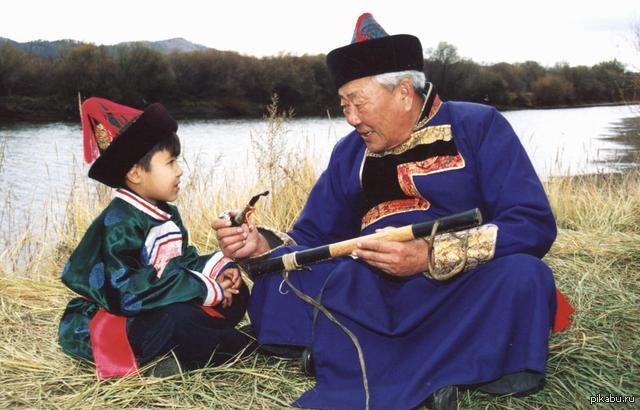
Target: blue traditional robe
(419, 334)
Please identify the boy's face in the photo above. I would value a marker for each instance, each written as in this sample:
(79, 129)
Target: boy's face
(161, 182)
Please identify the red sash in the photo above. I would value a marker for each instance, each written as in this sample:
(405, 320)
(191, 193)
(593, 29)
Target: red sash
(112, 352)
(563, 311)
(211, 311)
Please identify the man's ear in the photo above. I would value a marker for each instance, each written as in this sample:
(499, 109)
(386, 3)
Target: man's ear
(407, 92)
(134, 175)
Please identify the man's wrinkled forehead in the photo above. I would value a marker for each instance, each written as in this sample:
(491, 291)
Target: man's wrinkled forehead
(355, 88)
(350, 95)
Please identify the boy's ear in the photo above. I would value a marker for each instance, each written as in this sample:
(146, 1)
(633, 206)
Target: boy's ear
(134, 175)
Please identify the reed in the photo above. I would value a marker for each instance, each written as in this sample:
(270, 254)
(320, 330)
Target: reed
(596, 260)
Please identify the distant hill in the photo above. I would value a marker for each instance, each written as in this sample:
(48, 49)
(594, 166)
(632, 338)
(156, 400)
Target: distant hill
(47, 49)
(171, 45)
(51, 49)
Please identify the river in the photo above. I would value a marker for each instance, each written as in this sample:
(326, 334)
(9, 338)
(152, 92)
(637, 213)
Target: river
(40, 162)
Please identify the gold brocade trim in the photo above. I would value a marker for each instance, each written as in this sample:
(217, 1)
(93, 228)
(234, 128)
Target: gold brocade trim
(405, 180)
(435, 107)
(393, 207)
(432, 165)
(449, 248)
(103, 137)
(426, 135)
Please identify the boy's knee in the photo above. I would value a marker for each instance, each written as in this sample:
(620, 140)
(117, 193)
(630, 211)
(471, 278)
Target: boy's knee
(162, 323)
(175, 314)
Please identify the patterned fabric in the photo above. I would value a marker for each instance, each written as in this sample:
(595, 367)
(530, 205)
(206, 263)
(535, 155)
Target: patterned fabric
(393, 207)
(418, 334)
(163, 243)
(134, 258)
(367, 28)
(102, 120)
(408, 170)
(461, 251)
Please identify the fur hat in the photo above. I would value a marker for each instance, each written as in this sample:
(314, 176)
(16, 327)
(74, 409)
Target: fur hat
(372, 51)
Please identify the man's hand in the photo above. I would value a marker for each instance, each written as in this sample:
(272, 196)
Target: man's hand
(239, 242)
(395, 258)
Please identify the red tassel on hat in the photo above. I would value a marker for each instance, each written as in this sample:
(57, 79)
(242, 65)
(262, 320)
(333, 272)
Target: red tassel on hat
(102, 120)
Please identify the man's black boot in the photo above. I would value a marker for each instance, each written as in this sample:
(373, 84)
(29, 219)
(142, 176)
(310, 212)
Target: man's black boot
(445, 398)
(283, 352)
(306, 363)
(167, 366)
(519, 384)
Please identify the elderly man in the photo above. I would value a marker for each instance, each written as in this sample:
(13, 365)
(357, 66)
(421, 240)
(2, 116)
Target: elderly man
(481, 315)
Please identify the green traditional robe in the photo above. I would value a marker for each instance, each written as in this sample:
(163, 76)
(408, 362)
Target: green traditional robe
(133, 258)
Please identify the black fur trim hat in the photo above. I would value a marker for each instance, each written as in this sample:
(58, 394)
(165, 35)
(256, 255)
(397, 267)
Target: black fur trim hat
(133, 141)
(372, 51)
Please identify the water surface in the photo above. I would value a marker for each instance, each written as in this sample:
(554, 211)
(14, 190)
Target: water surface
(39, 162)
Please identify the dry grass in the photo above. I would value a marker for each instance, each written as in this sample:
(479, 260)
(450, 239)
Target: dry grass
(596, 260)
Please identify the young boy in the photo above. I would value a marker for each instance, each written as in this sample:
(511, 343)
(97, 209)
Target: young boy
(144, 291)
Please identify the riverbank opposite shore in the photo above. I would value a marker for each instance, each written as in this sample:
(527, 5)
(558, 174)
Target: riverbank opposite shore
(28, 109)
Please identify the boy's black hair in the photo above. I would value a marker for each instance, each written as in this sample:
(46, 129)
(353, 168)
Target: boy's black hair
(170, 143)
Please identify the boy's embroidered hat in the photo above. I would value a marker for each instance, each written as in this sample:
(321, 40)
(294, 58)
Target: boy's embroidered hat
(372, 51)
(119, 136)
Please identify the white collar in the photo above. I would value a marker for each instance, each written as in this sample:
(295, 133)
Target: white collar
(141, 204)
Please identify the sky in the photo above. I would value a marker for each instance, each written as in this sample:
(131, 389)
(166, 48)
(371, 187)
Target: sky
(489, 31)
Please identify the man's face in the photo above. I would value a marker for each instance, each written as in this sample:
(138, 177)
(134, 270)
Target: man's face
(374, 111)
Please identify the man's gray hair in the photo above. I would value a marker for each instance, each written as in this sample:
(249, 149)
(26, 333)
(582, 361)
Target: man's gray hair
(390, 80)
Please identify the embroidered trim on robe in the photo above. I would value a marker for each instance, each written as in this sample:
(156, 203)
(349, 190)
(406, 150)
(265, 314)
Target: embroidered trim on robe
(432, 165)
(141, 204)
(426, 135)
(394, 207)
(449, 250)
(163, 243)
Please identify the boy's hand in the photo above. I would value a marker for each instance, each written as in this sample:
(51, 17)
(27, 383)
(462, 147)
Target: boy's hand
(233, 274)
(230, 282)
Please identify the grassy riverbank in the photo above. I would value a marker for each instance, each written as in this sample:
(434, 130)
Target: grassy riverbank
(596, 260)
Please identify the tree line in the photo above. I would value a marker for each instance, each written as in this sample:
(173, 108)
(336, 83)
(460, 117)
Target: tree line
(222, 84)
